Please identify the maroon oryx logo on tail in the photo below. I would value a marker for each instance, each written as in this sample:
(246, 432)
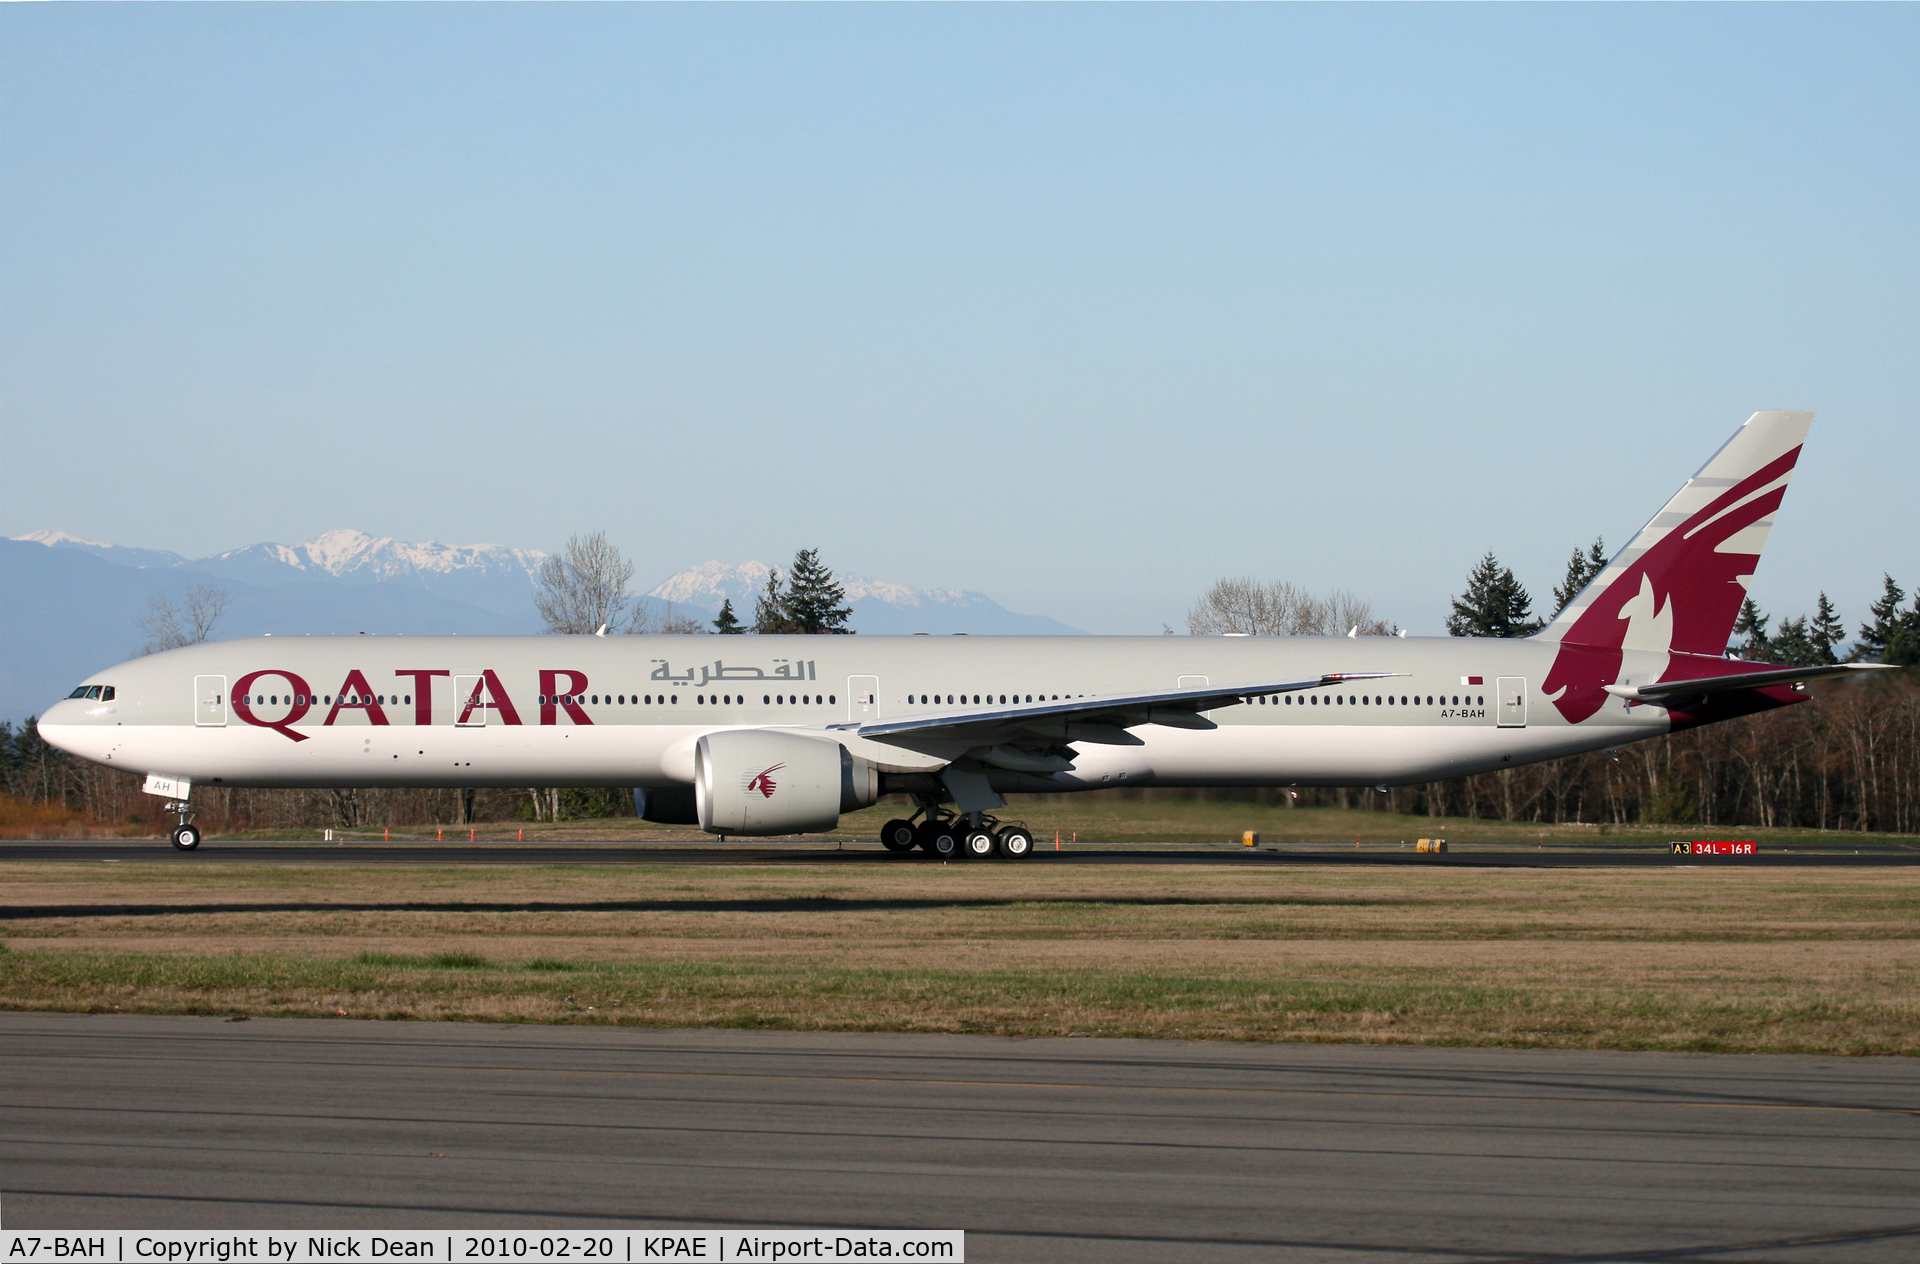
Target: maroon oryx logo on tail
(764, 782)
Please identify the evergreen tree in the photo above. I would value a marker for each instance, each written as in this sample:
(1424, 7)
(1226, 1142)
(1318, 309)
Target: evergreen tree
(1751, 628)
(727, 623)
(1495, 604)
(1582, 568)
(770, 611)
(814, 598)
(1827, 631)
(1894, 634)
(1793, 645)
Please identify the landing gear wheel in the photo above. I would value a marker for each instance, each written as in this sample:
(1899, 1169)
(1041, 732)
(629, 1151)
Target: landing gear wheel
(1015, 843)
(898, 835)
(939, 838)
(978, 844)
(186, 837)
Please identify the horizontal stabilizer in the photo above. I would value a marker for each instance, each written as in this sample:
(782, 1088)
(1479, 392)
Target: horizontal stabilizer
(1669, 689)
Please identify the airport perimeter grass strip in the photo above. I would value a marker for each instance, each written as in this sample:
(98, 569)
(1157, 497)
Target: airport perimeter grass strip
(1701, 958)
(1403, 1004)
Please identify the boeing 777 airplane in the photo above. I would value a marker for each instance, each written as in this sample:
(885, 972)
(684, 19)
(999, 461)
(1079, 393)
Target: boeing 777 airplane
(781, 734)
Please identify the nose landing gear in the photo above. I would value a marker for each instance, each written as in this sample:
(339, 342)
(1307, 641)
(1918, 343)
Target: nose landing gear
(186, 835)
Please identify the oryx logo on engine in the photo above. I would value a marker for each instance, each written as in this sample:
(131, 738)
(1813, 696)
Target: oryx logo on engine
(763, 781)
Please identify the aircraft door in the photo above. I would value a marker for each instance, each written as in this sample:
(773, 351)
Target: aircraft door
(470, 702)
(1513, 702)
(210, 701)
(863, 698)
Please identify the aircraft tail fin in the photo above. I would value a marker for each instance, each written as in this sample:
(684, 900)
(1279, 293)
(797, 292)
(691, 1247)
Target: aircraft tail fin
(1679, 585)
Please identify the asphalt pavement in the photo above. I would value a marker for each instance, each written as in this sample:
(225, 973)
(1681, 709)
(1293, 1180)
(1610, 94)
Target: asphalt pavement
(1044, 1150)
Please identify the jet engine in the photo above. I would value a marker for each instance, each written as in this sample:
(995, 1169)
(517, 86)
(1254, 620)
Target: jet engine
(751, 781)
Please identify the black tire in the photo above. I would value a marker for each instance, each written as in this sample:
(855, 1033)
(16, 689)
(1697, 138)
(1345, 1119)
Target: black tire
(1015, 843)
(978, 845)
(897, 835)
(938, 838)
(186, 837)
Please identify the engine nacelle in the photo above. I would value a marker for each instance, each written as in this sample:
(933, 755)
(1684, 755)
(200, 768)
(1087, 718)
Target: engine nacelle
(749, 781)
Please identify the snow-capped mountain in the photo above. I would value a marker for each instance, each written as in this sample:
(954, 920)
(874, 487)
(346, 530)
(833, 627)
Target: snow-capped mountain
(880, 606)
(117, 553)
(491, 576)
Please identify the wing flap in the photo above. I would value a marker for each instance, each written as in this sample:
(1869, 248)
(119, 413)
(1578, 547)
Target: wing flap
(1100, 718)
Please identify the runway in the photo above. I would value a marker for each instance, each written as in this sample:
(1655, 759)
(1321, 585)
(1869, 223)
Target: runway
(215, 851)
(1041, 1150)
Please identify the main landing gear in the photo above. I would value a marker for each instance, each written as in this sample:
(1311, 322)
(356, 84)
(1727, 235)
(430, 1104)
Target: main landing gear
(975, 836)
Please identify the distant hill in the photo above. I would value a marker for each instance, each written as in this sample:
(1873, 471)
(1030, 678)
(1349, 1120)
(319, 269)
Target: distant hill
(71, 606)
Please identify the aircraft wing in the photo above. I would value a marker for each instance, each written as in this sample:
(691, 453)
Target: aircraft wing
(1666, 690)
(1098, 718)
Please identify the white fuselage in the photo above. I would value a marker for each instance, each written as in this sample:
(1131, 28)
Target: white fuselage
(628, 711)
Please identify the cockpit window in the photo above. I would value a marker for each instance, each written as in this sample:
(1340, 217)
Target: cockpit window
(81, 692)
(94, 693)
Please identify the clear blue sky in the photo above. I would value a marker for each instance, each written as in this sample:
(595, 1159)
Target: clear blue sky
(1081, 306)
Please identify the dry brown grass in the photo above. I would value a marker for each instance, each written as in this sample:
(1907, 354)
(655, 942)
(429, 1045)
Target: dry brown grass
(20, 819)
(1696, 958)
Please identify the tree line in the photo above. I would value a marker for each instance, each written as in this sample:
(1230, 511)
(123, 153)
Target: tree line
(1850, 760)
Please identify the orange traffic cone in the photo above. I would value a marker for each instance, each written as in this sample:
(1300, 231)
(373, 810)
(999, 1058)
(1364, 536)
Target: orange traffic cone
(1056, 840)
(439, 835)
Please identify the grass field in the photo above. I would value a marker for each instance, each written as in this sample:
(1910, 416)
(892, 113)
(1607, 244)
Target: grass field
(1699, 958)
